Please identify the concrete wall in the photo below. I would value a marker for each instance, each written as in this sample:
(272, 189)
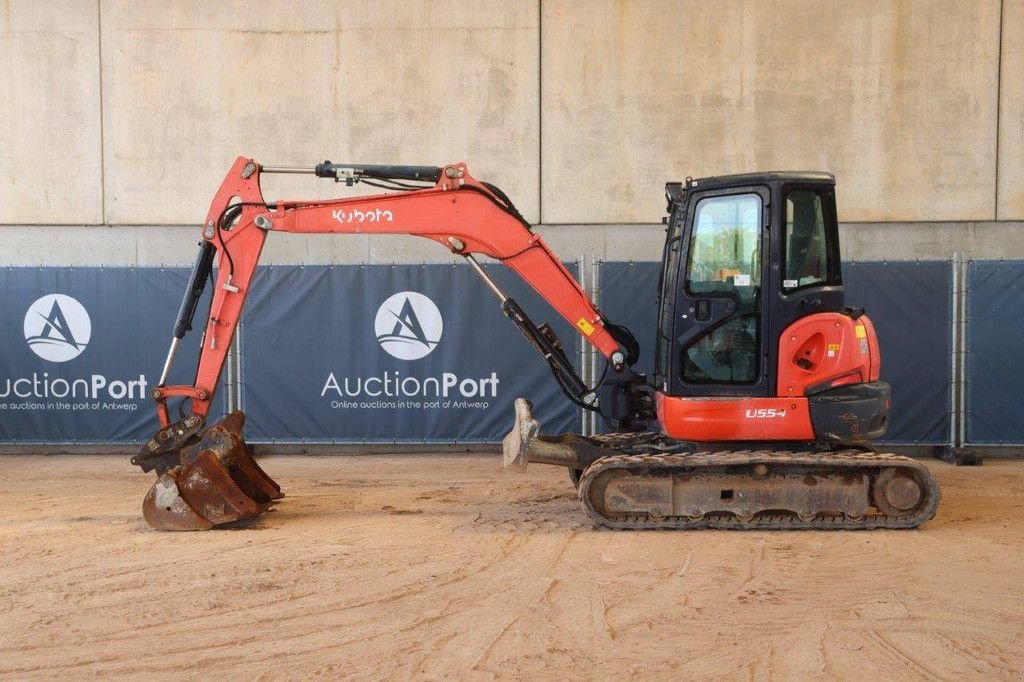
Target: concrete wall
(898, 99)
(122, 117)
(1011, 113)
(50, 129)
(189, 86)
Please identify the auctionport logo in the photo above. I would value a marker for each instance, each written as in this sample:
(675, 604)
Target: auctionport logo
(57, 328)
(408, 325)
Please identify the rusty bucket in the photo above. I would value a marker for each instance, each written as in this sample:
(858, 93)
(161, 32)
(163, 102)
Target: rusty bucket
(216, 481)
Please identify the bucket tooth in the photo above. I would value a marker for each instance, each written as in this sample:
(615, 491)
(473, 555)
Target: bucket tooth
(217, 482)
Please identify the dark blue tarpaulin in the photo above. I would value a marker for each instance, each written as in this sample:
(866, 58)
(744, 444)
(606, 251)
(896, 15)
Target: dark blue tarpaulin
(910, 304)
(403, 353)
(628, 294)
(309, 330)
(995, 344)
(81, 349)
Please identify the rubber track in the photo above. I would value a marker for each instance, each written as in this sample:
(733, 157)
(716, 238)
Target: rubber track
(838, 462)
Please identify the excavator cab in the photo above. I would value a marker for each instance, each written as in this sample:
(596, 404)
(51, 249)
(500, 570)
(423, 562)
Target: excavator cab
(746, 259)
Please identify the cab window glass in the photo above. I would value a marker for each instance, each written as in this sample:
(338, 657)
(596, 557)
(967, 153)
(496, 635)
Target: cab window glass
(807, 261)
(725, 246)
(725, 261)
(726, 355)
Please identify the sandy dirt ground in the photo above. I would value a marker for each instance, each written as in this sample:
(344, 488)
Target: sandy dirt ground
(446, 567)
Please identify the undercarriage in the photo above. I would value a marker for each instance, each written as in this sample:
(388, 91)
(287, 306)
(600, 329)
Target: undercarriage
(648, 481)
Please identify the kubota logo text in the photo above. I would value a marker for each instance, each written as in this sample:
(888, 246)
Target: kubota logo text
(356, 216)
(57, 328)
(408, 325)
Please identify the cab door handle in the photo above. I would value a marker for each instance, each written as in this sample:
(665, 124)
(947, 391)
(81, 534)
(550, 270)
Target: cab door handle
(703, 312)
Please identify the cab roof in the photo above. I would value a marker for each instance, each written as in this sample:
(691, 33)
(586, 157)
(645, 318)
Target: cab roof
(717, 181)
(675, 192)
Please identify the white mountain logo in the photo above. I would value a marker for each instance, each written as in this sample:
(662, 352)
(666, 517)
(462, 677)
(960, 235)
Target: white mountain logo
(408, 325)
(57, 328)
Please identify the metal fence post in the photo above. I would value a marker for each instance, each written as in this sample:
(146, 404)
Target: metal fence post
(584, 347)
(962, 345)
(958, 452)
(956, 364)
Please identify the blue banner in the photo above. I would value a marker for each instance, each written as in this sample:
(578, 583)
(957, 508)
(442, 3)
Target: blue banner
(421, 353)
(82, 349)
(911, 306)
(995, 342)
(402, 353)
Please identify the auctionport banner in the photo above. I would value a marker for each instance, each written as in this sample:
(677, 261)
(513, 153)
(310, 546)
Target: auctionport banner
(403, 353)
(995, 342)
(82, 347)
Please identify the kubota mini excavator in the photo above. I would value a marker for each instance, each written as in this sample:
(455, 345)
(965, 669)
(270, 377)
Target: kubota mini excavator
(765, 394)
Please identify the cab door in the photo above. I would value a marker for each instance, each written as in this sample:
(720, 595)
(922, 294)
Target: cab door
(719, 323)
(806, 245)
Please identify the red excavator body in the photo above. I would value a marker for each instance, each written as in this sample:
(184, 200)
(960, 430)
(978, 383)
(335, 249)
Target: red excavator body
(766, 387)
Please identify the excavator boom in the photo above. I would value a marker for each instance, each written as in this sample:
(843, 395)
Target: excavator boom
(458, 212)
(444, 204)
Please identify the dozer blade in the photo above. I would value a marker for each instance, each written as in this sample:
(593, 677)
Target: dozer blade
(515, 447)
(217, 481)
(525, 443)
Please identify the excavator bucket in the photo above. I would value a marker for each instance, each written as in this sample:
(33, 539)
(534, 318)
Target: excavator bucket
(216, 482)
